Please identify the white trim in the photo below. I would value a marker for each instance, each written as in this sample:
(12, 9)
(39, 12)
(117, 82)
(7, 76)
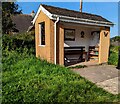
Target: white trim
(41, 8)
(39, 34)
(41, 45)
(85, 20)
(71, 49)
(55, 30)
(75, 21)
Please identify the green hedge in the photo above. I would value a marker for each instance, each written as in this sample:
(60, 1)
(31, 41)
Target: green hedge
(113, 58)
(19, 41)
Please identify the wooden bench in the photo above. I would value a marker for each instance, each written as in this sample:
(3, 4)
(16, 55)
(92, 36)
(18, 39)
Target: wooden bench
(74, 51)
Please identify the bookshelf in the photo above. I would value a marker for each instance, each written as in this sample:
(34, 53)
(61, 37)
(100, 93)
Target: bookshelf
(93, 52)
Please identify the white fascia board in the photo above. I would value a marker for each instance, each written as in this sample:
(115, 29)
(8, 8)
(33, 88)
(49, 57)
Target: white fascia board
(86, 21)
(41, 8)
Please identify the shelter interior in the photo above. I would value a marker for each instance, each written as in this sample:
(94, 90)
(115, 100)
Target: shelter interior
(81, 43)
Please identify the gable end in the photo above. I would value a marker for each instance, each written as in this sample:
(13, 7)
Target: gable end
(41, 8)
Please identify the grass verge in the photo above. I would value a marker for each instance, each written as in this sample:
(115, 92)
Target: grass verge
(27, 79)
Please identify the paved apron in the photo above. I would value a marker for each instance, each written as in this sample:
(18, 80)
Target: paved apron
(104, 76)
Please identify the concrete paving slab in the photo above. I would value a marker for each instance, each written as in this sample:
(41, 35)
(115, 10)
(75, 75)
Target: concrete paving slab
(98, 73)
(110, 85)
(105, 76)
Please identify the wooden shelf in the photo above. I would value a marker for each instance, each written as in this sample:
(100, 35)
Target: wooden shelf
(93, 52)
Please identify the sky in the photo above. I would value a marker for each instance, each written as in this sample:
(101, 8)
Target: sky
(108, 10)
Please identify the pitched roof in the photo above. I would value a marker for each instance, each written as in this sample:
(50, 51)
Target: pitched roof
(22, 22)
(66, 15)
(72, 13)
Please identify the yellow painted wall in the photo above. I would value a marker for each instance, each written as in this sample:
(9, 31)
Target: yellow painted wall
(51, 45)
(104, 45)
(60, 50)
(47, 51)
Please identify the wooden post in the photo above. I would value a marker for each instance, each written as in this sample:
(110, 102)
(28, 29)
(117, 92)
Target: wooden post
(104, 45)
(61, 45)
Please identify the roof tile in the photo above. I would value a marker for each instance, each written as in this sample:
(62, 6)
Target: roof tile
(72, 13)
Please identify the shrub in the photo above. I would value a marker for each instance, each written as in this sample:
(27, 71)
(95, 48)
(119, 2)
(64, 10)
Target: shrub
(19, 42)
(116, 38)
(113, 58)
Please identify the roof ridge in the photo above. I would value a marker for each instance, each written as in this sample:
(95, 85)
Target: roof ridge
(49, 10)
(77, 12)
(71, 10)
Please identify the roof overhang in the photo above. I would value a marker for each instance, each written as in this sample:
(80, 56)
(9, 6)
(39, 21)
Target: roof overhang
(82, 21)
(71, 19)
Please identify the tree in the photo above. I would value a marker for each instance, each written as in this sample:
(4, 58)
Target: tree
(8, 10)
(116, 38)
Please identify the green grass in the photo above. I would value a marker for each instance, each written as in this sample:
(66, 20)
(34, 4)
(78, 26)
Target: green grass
(28, 79)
